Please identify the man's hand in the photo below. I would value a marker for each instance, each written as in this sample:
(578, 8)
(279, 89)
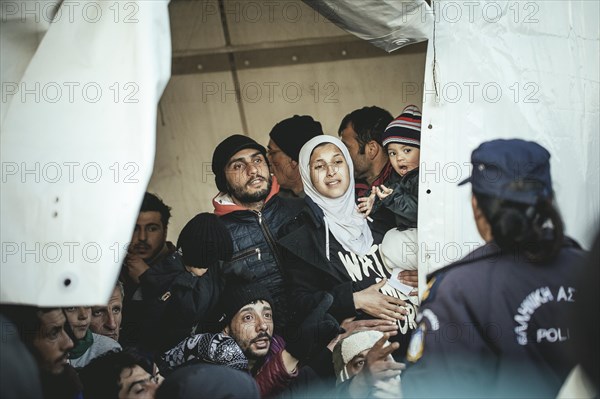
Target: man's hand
(379, 305)
(385, 326)
(350, 326)
(379, 368)
(379, 364)
(135, 267)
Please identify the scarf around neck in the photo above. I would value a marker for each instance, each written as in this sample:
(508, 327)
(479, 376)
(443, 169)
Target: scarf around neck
(82, 345)
(341, 217)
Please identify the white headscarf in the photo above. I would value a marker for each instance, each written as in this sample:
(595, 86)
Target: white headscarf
(347, 225)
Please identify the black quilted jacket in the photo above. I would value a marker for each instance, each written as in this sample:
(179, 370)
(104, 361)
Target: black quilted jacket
(256, 255)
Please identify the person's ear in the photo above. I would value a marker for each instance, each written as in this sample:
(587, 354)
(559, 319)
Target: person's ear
(226, 330)
(372, 149)
(293, 164)
(483, 226)
(475, 207)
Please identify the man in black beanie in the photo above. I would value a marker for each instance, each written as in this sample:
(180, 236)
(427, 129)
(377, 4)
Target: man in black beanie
(249, 206)
(286, 139)
(249, 320)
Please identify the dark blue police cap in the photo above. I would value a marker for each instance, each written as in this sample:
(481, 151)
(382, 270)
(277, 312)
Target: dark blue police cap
(515, 170)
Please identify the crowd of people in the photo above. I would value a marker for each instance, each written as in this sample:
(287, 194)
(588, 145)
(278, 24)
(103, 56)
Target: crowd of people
(303, 283)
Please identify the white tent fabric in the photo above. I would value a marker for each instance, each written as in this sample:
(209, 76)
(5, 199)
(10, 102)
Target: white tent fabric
(508, 70)
(78, 134)
(528, 70)
(388, 24)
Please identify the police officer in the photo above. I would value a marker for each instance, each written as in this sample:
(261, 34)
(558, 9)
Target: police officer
(496, 323)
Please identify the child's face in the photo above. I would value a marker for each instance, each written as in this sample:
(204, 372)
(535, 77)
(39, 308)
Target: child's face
(403, 158)
(79, 318)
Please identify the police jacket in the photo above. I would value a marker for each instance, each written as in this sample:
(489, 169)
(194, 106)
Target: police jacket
(255, 252)
(495, 325)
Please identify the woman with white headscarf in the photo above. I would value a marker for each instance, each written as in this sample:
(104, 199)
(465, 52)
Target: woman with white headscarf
(329, 248)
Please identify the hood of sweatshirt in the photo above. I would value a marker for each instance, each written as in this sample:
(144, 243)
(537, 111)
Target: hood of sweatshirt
(224, 204)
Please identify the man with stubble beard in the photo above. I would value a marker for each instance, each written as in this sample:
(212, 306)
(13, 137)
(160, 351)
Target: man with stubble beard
(252, 211)
(42, 330)
(149, 249)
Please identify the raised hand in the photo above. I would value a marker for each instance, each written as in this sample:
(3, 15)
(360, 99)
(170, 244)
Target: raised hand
(379, 364)
(135, 267)
(379, 376)
(365, 204)
(382, 191)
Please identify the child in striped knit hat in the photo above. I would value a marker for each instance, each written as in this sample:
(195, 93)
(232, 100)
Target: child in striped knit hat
(402, 140)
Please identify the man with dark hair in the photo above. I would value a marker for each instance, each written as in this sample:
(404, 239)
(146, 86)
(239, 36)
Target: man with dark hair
(42, 330)
(149, 248)
(248, 342)
(149, 240)
(286, 139)
(361, 132)
(252, 211)
(120, 375)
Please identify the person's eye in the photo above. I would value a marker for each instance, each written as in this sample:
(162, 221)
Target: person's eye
(53, 334)
(268, 316)
(153, 229)
(392, 153)
(69, 309)
(248, 317)
(339, 162)
(360, 363)
(258, 160)
(318, 166)
(97, 313)
(406, 150)
(116, 310)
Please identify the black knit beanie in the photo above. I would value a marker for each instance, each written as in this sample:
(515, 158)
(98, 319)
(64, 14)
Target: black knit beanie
(239, 293)
(292, 133)
(204, 241)
(225, 150)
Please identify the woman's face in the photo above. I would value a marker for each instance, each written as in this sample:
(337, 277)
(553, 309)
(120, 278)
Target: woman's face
(329, 171)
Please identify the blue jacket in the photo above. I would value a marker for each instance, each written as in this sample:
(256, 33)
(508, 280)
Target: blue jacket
(494, 324)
